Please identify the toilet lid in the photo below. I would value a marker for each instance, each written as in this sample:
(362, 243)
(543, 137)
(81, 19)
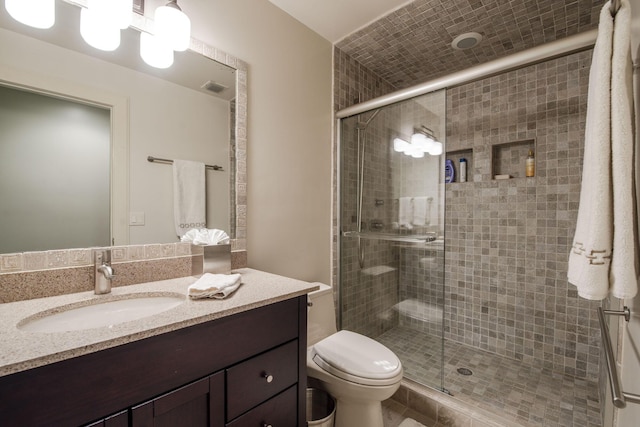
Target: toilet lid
(347, 354)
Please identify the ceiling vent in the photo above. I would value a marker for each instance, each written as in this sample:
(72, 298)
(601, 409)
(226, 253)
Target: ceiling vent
(214, 87)
(466, 41)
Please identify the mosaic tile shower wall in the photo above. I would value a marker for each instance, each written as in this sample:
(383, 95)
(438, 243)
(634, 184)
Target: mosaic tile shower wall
(352, 82)
(508, 241)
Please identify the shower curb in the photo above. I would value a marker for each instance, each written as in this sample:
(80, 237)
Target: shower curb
(448, 410)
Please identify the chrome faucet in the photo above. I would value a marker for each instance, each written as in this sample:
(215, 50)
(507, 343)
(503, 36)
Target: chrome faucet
(104, 273)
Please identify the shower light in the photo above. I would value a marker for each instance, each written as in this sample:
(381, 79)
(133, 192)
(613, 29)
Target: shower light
(34, 13)
(172, 26)
(154, 52)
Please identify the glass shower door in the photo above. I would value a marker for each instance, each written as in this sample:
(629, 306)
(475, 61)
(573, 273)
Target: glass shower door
(391, 221)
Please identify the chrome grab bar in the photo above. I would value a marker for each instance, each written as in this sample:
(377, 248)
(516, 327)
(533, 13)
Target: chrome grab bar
(620, 398)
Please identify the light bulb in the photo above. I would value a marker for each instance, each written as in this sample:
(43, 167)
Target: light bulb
(172, 26)
(417, 153)
(122, 10)
(97, 31)
(154, 52)
(400, 145)
(34, 13)
(419, 140)
(436, 148)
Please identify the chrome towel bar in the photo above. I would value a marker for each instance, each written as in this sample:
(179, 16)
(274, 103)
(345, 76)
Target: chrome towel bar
(620, 398)
(170, 162)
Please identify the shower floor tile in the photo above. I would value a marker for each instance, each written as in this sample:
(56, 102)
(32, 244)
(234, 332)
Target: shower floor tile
(529, 396)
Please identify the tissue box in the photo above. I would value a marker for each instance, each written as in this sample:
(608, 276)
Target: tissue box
(215, 259)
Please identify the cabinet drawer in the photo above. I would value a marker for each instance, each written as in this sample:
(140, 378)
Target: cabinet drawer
(252, 382)
(280, 411)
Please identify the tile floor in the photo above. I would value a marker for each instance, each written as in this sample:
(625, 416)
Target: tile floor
(525, 395)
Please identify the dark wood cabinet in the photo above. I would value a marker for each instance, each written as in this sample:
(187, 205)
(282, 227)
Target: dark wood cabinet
(238, 370)
(199, 404)
(121, 419)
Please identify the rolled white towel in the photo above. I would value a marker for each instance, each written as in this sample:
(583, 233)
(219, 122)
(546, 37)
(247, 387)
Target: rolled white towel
(217, 286)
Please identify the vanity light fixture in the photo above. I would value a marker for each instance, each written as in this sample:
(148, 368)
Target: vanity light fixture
(102, 20)
(154, 51)
(172, 26)
(422, 141)
(34, 13)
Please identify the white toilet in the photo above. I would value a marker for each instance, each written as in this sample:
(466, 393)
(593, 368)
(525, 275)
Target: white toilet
(357, 371)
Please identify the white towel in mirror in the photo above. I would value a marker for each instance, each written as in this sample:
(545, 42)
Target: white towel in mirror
(189, 195)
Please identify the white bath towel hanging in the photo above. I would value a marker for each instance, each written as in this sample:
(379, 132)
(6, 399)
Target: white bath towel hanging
(623, 277)
(602, 259)
(189, 196)
(405, 211)
(420, 206)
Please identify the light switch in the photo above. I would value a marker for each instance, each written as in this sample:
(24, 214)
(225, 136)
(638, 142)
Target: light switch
(136, 218)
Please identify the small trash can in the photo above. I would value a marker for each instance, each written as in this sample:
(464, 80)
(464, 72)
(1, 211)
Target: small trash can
(321, 408)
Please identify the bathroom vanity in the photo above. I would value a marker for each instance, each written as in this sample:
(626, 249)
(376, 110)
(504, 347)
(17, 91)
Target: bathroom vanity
(234, 362)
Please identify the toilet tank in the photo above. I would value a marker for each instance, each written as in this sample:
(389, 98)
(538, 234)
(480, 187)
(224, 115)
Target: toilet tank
(321, 320)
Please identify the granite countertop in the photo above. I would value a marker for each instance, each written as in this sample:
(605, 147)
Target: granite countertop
(21, 350)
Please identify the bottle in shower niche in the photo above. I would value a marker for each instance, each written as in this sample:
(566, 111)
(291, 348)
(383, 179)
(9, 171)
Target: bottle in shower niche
(463, 170)
(449, 172)
(530, 165)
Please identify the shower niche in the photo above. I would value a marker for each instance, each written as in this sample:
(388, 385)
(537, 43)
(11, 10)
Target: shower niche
(455, 156)
(509, 158)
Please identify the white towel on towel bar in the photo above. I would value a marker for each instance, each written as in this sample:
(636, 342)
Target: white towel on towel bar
(420, 205)
(623, 277)
(405, 211)
(602, 259)
(189, 196)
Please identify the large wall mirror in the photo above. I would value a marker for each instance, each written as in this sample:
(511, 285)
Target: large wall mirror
(194, 110)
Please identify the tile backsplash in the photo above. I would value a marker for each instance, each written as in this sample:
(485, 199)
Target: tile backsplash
(32, 275)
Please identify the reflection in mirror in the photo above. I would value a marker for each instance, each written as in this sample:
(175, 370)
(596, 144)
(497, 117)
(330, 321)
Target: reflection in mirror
(196, 110)
(55, 162)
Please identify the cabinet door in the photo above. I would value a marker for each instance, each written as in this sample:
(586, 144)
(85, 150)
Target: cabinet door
(121, 419)
(199, 404)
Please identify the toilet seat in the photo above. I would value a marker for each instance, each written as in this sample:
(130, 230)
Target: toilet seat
(357, 358)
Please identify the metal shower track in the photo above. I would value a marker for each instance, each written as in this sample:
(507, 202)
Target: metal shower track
(517, 60)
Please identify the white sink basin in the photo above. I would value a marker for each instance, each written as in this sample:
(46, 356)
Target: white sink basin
(100, 313)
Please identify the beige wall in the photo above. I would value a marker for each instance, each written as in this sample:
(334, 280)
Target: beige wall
(289, 131)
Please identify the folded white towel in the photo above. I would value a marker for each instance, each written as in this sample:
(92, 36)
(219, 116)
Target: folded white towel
(205, 236)
(189, 195)
(405, 211)
(217, 286)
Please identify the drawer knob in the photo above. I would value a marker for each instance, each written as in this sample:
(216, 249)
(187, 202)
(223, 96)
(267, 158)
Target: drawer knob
(268, 377)
(266, 425)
